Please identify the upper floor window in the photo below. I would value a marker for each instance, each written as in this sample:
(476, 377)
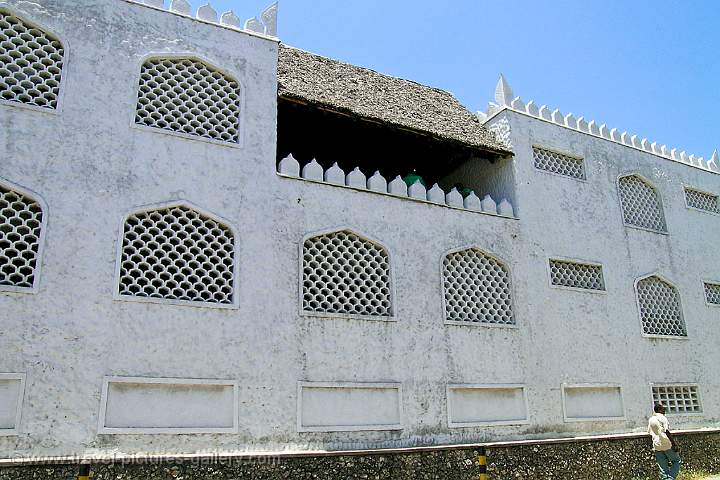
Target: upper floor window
(660, 309)
(559, 163)
(585, 276)
(701, 200)
(177, 253)
(31, 62)
(477, 289)
(189, 97)
(344, 273)
(641, 205)
(21, 226)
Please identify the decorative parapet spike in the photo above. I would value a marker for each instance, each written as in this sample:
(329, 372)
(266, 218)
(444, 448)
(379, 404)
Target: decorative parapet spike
(266, 24)
(504, 100)
(180, 6)
(313, 171)
(207, 13)
(335, 175)
(289, 166)
(229, 18)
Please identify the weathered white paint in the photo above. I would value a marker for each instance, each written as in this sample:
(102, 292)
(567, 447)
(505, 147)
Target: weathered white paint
(348, 406)
(592, 402)
(168, 405)
(91, 168)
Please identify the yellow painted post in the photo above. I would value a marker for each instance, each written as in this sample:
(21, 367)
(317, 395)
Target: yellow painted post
(482, 461)
(84, 473)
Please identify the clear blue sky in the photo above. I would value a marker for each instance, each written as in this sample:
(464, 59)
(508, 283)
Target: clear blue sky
(649, 67)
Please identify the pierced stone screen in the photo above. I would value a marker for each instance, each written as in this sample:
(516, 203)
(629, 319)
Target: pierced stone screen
(701, 200)
(640, 204)
(185, 95)
(31, 63)
(343, 273)
(677, 399)
(712, 293)
(558, 163)
(576, 275)
(20, 224)
(477, 289)
(177, 254)
(660, 310)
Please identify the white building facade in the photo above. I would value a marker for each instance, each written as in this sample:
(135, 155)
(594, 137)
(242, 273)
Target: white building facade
(173, 279)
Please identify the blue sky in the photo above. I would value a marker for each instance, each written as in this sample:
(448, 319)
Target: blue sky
(649, 67)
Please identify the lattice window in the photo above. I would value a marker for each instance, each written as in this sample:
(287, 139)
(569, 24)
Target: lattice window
(31, 62)
(177, 253)
(559, 163)
(712, 293)
(576, 275)
(641, 204)
(702, 200)
(477, 288)
(344, 273)
(185, 95)
(21, 220)
(660, 310)
(677, 399)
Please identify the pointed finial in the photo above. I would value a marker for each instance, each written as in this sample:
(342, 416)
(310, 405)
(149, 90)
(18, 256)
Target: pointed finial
(269, 19)
(229, 18)
(503, 92)
(207, 13)
(714, 156)
(254, 25)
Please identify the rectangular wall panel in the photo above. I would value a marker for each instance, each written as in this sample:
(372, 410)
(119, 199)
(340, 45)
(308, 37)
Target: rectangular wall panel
(592, 402)
(12, 390)
(334, 407)
(168, 405)
(474, 405)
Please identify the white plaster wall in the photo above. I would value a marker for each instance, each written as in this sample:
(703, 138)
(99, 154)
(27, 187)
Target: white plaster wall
(92, 168)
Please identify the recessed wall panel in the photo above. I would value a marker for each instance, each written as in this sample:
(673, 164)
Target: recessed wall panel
(473, 405)
(168, 405)
(328, 407)
(12, 387)
(590, 402)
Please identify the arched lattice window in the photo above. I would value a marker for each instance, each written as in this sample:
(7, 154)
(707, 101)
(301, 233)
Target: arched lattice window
(345, 273)
(21, 228)
(477, 288)
(31, 62)
(660, 308)
(179, 254)
(187, 96)
(641, 205)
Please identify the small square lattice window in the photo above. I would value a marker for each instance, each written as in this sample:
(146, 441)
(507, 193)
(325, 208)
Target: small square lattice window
(21, 221)
(31, 63)
(641, 205)
(701, 200)
(559, 163)
(677, 399)
(346, 274)
(660, 310)
(176, 253)
(477, 289)
(712, 293)
(576, 275)
(186, 96)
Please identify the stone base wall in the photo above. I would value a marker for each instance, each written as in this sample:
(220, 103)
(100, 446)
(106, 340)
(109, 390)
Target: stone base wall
(608, 459)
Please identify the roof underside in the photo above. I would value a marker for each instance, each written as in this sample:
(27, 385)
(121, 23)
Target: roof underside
(370, 95)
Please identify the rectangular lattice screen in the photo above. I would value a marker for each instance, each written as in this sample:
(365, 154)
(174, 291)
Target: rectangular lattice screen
(701, 200)
(559, 163)
(712, 293)
(576, 275)
(677, 399)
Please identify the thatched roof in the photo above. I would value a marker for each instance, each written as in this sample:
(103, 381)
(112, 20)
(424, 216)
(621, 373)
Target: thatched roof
(370, 95)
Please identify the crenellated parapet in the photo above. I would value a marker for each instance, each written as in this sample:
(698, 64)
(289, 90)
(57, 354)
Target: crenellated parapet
(356, 179)
(506, 100)
(263, 24)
